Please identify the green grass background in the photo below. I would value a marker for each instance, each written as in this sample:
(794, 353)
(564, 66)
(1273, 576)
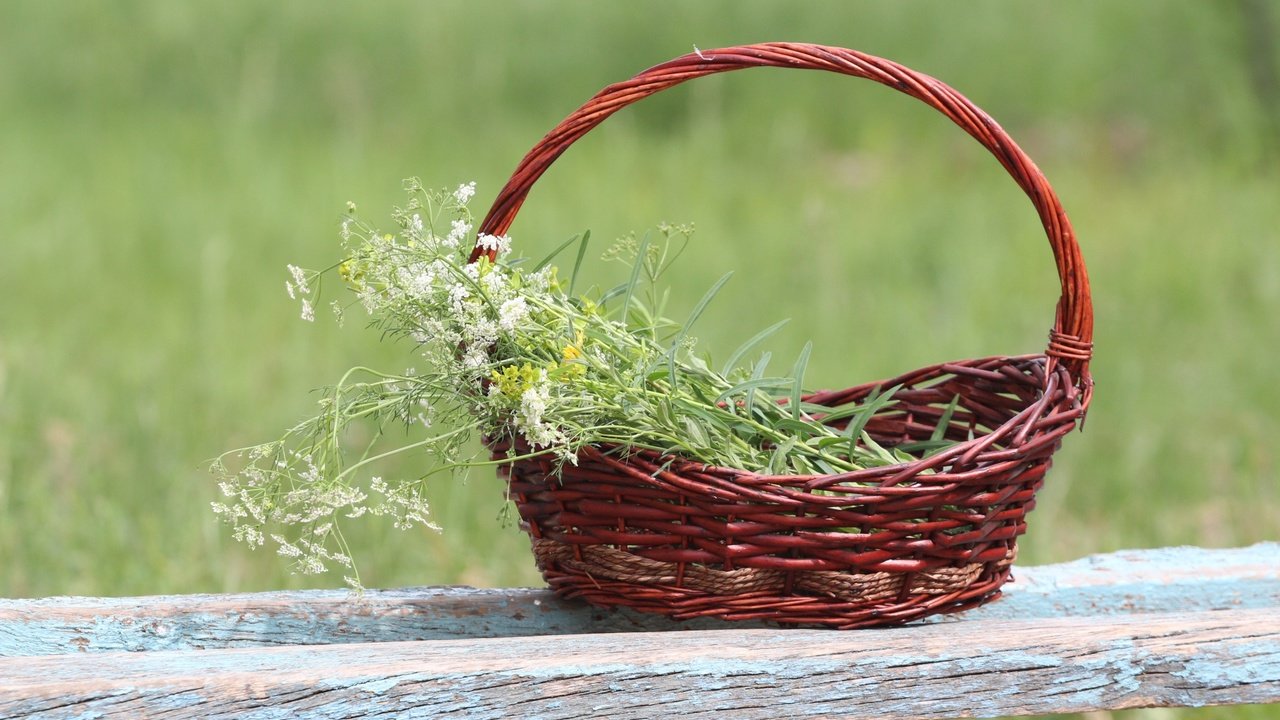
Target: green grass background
(160, 163)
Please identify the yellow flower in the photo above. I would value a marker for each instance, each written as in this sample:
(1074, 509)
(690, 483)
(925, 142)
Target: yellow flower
(512, 381)
(573, 350)
(351, 274)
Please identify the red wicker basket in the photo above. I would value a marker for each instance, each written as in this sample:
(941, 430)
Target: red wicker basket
(874, 547)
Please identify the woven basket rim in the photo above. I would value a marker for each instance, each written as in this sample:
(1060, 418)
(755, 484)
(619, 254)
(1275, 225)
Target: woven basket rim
(879, 481)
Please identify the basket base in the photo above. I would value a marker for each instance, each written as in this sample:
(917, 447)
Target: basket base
(610, 578)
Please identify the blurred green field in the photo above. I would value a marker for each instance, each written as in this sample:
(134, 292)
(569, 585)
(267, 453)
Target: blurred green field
(162, 162)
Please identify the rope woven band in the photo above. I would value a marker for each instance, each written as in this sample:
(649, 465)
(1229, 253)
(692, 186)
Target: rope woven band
(607, 563)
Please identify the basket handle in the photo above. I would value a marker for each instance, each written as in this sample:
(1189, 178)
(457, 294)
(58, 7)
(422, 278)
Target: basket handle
(1070, 340)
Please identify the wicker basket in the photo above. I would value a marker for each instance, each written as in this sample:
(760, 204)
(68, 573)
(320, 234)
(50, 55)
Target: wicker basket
(874, 547)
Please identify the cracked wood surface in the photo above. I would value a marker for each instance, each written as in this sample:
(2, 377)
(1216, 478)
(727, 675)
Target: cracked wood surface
(933, 671)
(1168, 627)
(1134, 581)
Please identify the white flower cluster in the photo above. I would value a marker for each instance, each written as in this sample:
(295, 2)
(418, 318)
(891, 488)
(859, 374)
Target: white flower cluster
(464, 193)
(299, 286)
(497, 353)
(404, 504)
(253, 501)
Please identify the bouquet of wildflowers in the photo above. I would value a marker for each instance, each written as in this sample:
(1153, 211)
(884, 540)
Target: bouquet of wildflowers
(510, 350)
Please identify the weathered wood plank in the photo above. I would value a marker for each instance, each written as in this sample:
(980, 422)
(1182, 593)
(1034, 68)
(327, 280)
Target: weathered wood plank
(981, 668)
(1141, 581)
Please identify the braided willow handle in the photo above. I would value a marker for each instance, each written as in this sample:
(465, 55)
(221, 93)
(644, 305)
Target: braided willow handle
(1070, 340)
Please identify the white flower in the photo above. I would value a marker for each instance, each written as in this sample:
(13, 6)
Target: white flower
(475, 357)
(368, 298)
(308, 312)
(567, 455)
(285, 548)
(300, 278)
(312, 473)
(415, 225)
(458, 295)
(495, 282)
(512, 313)
(529, 419)
(418, 281)
(288, 287)
(539, 282)
(249, 535)
(499, 243)
(465, 192)
(459, 230)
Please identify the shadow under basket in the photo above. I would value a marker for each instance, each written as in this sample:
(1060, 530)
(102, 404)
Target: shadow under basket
(885, 545)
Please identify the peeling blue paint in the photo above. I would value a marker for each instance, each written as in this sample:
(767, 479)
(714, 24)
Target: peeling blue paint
(1259, 663)
(1160, 580)
(1181, 579)
(378, 686)
(1011, 661)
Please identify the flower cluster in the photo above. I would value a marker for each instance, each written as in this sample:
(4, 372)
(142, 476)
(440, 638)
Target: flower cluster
(510, 352)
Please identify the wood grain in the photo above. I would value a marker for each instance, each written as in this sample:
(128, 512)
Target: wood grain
(1139, 581)
(941, 670)
(1167, 627)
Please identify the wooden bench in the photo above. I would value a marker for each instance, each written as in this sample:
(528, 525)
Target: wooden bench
(1168, 627)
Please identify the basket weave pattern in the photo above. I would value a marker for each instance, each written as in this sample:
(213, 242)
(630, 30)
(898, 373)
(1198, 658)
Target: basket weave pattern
(873, 547)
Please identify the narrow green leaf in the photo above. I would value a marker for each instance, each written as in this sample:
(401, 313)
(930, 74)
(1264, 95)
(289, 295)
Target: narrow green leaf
(859, 421)
(814, 409)
(878, 449)
(832, 415)
(799, 427)
(944, 422)
(928, 447)
(745, 385)
(635, 275)
(756, 374)
(693, 317)
(868, 409)
(696, 434)
(825, 467)
(640, 318)
(547, 260)
(822, 443)
(745, 347)
(778, 462)
(577, 264)
(802, 465)
(702, 305)
(613, 292)
(802, 363)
